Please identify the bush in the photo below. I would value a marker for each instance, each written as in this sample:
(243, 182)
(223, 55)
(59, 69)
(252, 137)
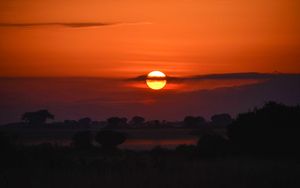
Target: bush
(82, 140)
(194, 122)
(110, 139)
(212, 145)
(271, 129)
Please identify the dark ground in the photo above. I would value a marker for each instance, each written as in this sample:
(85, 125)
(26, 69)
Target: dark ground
(52, 166)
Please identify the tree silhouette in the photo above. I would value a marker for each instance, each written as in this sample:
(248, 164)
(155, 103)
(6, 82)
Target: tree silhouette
(6, 141)
(270, 129)
(113, 122)
(212, 145)
(110, 139)
(123, 121)
(82, 140)
(116, 122)
(194, 122)
(221, 120)
(38, 117)
(137, 121)
(85, 121)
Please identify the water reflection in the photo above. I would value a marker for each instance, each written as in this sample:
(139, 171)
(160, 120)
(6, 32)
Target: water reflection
(141, 144)
(133, 144)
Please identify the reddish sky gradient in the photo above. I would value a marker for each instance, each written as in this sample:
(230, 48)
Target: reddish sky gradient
(120, 39)
(179, 37)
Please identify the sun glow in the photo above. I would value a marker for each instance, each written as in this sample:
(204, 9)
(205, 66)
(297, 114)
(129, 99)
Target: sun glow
(156, 80)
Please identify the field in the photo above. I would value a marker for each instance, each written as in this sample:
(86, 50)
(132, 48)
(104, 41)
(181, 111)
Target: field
(150, 158)
(157, 168)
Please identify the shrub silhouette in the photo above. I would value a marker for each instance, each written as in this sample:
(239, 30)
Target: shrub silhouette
(137, 121)
(110, 139)
(194, 122)
(116, 122)
(270, 129)
(82, 140)
(6, 142)
(38, 117)
(85, 121)
(221, 120)
(212, 145)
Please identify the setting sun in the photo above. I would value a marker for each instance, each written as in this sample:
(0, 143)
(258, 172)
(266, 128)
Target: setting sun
(156, 74)
(156, 80)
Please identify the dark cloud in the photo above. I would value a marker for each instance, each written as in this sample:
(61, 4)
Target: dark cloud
(68, 24)
(227, 76)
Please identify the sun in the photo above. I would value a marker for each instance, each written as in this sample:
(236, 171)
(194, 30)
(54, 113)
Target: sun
(156, 80)
(156, 74)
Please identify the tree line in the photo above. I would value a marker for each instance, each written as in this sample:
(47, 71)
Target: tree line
(40, 117)
(271, 129)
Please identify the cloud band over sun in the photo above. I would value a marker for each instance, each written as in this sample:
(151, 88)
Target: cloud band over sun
(69, 24)
(228, 76)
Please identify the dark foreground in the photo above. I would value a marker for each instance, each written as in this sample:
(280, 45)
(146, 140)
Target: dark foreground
(259, 148)
(52, 166)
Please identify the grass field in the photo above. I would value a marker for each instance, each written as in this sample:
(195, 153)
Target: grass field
(163, 169)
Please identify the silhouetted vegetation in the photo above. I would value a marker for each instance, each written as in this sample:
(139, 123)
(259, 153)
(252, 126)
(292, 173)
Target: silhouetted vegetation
(137, 121)
(212, 145)
(268, 130)
(110, 139)
(221, 120)
(116, 122)
(37, 118)
(194, 122)
(85, 121)
(260, 150)
(7, 142)
(82, 140)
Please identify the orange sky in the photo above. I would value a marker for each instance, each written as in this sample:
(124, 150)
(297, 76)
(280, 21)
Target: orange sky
(179, 37)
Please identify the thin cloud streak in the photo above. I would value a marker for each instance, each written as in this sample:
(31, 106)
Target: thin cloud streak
(69, 24)
(229, 76)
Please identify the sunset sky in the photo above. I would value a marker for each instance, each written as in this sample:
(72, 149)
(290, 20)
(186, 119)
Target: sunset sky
(128, 38)
(97, 51)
